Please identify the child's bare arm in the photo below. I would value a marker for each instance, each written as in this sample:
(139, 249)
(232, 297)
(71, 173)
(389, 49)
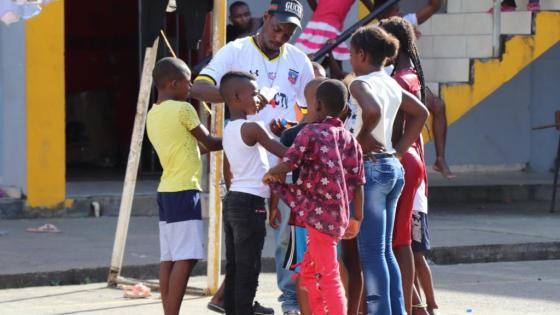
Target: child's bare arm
(417, 115)
(227, 172)
(274, 216)
(252, 133)
(428, 10)
(277, 174)
(203, 136)
(356, 220)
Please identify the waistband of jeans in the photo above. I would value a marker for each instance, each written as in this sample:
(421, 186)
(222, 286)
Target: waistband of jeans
(371, 156)
(245, 196)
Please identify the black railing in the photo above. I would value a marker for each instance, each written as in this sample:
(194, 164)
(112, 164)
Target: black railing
(348, 32)
(327, 48)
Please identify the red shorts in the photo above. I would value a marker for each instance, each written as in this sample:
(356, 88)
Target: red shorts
(414, 170)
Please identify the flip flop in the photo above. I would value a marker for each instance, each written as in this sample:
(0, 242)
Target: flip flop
(137, 291)
(45, 228)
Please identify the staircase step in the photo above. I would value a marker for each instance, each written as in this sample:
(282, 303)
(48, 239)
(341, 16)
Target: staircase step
(434, 87)
(473, 6)
(468, 6)
(455, 46)
(446, 69)
(477, 24)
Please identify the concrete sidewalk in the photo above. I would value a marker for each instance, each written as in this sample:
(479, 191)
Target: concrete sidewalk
(512, 288)
(82, 252)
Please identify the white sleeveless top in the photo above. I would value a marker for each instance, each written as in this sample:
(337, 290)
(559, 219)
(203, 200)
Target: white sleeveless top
(388, 94)
(248, 164)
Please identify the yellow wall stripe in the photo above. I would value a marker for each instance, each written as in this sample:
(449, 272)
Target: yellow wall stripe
(45, 89)
(490, 75)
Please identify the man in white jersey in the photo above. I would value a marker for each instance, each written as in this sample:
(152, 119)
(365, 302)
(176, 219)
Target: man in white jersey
(282, 71)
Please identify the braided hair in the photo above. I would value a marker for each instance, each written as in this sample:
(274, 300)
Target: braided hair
(404, 32)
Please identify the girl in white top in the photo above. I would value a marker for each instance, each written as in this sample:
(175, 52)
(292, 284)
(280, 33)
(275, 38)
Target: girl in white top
(376, 98)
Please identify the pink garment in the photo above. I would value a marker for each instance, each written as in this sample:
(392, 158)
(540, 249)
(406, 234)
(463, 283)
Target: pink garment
(332, 12)
(331, 168)
(320, 275)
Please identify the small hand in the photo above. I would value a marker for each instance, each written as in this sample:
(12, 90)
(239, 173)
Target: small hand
(273, 178)
(274, 217)
(262, 101)
(276, 127)
(352, 230)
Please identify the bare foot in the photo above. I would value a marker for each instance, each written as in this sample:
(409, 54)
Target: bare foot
(441, 166)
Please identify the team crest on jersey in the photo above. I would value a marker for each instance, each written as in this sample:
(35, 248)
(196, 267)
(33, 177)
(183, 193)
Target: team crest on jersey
(293, 76)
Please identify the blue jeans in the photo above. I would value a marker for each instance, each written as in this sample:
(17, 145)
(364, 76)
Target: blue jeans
(286, 284)
(382, 278)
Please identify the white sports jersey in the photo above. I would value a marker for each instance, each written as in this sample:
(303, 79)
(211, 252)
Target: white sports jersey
(281, 80)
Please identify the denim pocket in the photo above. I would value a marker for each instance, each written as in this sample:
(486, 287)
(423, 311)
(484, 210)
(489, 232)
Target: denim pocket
(381, 172)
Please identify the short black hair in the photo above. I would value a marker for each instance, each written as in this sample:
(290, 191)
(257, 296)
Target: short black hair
(237, 4)
(230, 77)
(168, 69)
(334, 95)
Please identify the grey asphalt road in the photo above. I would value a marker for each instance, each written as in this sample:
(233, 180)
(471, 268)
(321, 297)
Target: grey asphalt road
(517, 288)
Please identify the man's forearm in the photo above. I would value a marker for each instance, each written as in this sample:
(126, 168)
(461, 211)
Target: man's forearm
(206, 92)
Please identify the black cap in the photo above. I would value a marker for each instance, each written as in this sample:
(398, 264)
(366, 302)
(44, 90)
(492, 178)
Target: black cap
(287, 11)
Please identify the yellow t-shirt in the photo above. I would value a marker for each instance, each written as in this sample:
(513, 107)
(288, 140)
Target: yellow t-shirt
(169, 125)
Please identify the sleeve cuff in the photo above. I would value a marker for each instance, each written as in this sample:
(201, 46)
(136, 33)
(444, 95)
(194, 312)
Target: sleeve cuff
(205, 77)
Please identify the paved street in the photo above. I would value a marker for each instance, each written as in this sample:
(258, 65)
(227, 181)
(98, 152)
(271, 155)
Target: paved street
(520, 288)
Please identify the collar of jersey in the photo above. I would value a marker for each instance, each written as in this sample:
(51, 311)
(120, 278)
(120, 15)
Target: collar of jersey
(264, 55)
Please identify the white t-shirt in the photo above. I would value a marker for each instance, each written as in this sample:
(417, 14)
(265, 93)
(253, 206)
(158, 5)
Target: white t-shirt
(420, 202)
(248, 164)
(281, 80)
(388, 94)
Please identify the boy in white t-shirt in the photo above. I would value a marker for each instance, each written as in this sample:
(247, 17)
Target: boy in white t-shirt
(420, 245)
(245, 144)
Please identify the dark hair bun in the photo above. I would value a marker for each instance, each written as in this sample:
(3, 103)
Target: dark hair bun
(391, 46)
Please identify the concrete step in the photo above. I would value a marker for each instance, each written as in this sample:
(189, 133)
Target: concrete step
(473, 6)
(434, 87)
(455, 46)
(446, 69)
(477, 24)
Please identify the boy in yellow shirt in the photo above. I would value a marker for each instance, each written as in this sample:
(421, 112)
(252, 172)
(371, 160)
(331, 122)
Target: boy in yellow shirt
(175, 131)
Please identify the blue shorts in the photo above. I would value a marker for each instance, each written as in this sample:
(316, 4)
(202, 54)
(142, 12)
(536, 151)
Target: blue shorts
(181, 235)
(420, 232)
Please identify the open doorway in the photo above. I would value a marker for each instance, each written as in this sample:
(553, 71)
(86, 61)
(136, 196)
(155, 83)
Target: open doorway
(102, 73)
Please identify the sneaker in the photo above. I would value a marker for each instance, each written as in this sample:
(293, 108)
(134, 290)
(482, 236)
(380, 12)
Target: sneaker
(261, 310)
(292, 313)
(216, 308)
(533, 6)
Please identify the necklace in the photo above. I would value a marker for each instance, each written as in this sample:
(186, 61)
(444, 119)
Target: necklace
(269, 74)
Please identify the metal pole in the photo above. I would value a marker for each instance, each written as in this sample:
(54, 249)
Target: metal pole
(133, 162)
(497, 27)
(555, 184)
(216, 162)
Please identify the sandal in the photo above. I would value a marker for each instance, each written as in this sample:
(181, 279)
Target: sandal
(420, 308)
(45, 228)
(137, 291)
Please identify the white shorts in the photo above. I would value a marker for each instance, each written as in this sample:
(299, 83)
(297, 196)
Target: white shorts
(181, 240)
(181, 233)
